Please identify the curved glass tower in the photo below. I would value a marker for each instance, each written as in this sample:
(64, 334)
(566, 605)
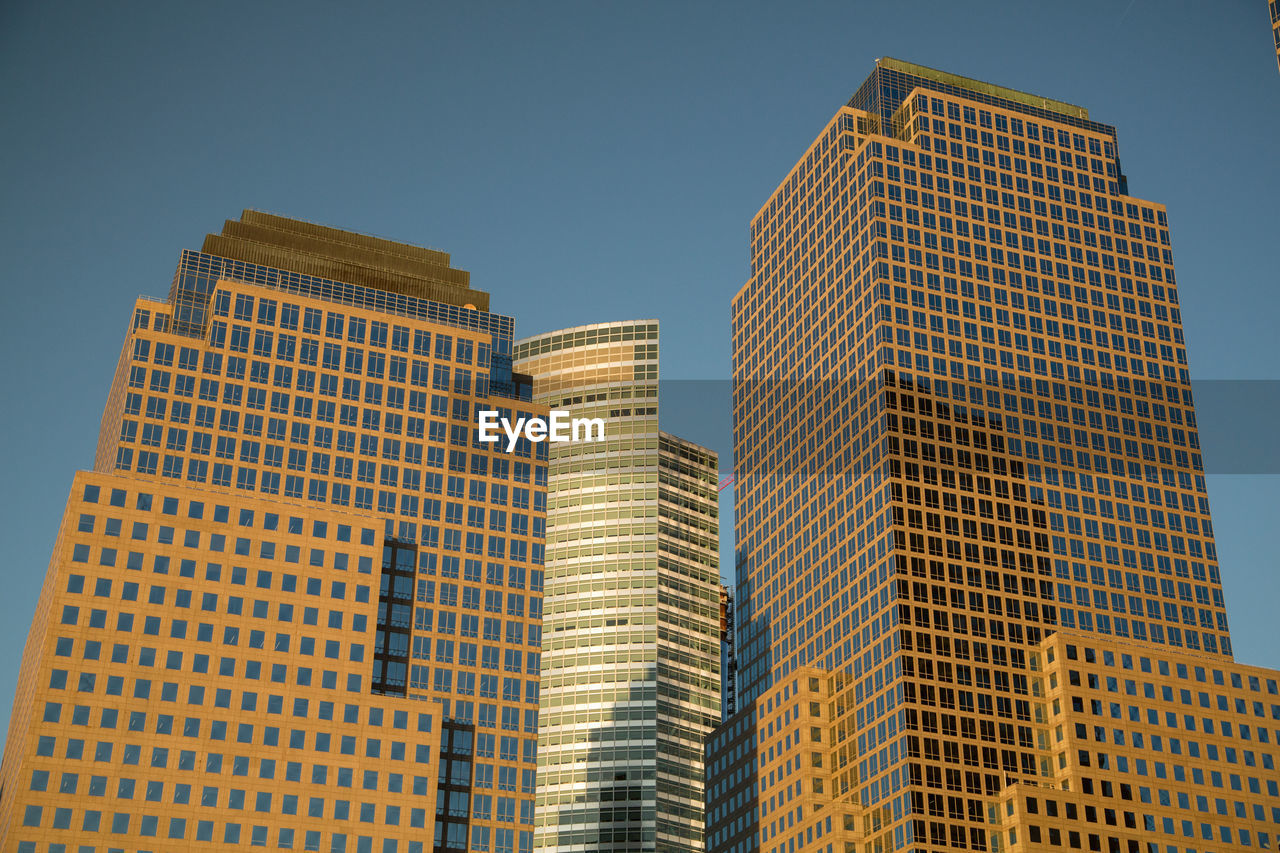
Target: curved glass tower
(630, 685)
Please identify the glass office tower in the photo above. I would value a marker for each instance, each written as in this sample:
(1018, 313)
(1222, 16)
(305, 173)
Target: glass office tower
(632, 621)
(963, 423)
(297, 603)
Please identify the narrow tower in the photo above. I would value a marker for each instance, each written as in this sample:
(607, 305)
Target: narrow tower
(631, 668)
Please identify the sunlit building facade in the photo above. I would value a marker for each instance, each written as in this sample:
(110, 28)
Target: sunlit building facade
(1148, 750)
(631, 666)
(297, 603)
(963, 422)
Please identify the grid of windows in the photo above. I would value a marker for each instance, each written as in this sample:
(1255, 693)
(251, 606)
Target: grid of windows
(630, 684)
(962, 421)
(1151, 752)
(202, 675)
(346, 408)
(780, 739)
(317, 397)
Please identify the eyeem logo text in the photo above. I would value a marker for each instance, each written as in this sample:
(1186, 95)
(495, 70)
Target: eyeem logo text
(557, 427)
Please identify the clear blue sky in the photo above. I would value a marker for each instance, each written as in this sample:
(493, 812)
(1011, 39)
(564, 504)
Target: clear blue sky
(586, 162)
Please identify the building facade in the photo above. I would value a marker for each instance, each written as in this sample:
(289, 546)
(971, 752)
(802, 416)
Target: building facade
(631, 666)
(297, 603)
(728, 665)
(962, 423)
(1274, 6)
(1148, 749)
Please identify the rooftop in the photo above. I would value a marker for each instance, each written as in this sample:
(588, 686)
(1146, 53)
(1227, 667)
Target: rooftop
(346, 256)
(985, 88)
(893, 79)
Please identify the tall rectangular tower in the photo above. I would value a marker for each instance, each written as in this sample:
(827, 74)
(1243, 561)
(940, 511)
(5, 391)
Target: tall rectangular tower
(630, 674)
(298, 603)
(962, 421)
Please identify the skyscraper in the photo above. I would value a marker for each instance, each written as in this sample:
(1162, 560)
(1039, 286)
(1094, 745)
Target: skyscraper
(962, 422)
(728, 664)
(296, 603)
(631, 667)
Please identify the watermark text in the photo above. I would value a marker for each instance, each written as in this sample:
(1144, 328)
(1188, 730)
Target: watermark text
(558, 427)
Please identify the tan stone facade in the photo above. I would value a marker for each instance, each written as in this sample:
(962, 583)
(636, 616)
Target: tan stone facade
(1147, 750)
(312, 619)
